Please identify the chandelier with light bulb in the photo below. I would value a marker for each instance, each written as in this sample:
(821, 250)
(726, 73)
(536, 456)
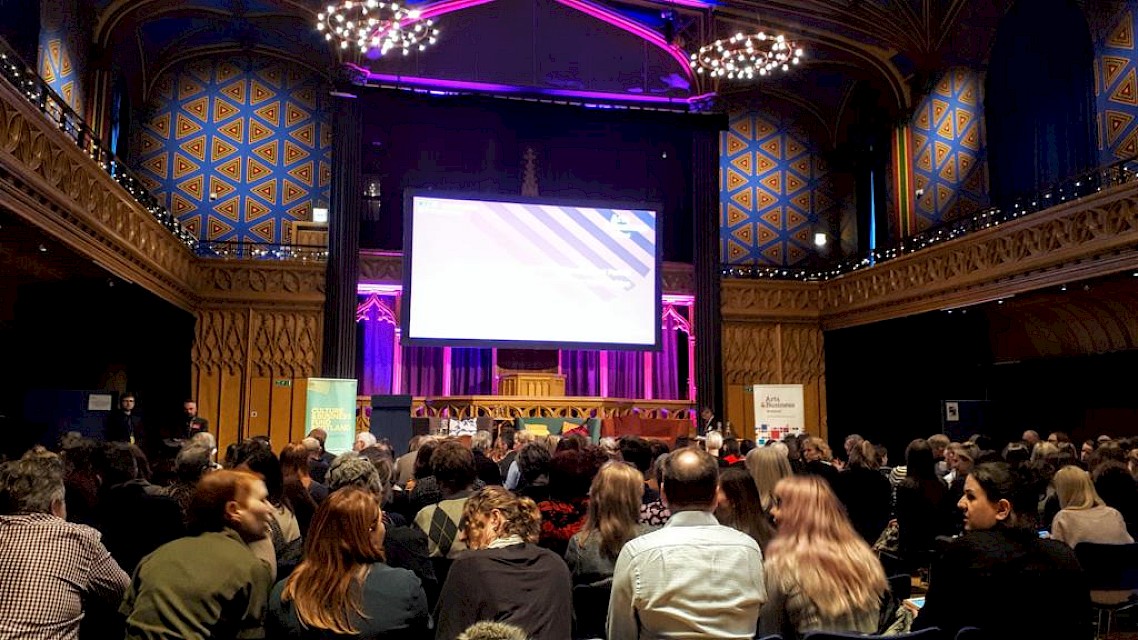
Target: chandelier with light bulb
(742, 57)
(376, 25)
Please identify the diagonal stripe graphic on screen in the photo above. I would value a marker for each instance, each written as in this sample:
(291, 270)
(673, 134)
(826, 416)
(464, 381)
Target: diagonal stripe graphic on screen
(598, 227)
(562, 216)
(635, 231)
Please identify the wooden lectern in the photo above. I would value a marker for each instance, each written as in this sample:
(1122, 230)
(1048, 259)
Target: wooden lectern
(533, 384)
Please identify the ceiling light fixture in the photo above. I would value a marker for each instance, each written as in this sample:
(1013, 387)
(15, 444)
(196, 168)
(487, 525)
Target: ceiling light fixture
(374, 25)
(742, 57)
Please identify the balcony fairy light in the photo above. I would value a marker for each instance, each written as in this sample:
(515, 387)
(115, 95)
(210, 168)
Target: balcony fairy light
(373, 25)
(742, 57)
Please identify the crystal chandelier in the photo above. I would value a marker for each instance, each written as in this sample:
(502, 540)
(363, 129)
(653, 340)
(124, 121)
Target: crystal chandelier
(374, 25)
(742, 57)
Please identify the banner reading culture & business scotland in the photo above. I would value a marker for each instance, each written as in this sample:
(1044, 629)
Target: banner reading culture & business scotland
(332, 407)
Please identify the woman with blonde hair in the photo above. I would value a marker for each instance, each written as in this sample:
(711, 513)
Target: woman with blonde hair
(612, 520)
(768, 465)
(342, 588)
(1083, 516)
(820, 574)
(501, 531)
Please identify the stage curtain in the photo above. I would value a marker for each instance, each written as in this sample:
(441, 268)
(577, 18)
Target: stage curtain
(626, 374)
(423, 371)
(665, 363)
(582, 377)
(471, 371)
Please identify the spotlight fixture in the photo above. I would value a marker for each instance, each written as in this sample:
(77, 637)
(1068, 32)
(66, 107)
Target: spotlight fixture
(819, 239)
(373, 25)
(742, 57)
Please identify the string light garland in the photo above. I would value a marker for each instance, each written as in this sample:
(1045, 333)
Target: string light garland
(742, 57)
(376, 25)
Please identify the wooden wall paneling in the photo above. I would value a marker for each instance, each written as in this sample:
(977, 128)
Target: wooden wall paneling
(209, 398)
(230, 409)
(299, 406)
(280, 415)
(257, 407)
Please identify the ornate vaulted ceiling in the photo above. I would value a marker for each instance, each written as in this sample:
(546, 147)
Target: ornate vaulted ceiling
(893, 45)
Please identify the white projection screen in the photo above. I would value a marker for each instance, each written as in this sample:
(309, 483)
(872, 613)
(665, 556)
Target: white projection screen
(488, 271)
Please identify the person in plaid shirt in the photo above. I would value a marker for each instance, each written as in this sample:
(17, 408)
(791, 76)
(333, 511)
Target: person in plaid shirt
(48, 566)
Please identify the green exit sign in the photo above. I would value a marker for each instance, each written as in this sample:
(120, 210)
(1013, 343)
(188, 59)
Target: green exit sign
(285, 382)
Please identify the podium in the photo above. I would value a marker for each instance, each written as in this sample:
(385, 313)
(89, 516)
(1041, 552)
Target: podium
(391, 419)
(532, 384)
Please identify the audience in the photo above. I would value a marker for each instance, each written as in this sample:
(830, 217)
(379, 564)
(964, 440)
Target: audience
(453, 468)
(505, 577)
(1083, 516)
(921, 506)
(767, 466)
(866, 494)
(737, 506)
(343, 587)
(614, 509)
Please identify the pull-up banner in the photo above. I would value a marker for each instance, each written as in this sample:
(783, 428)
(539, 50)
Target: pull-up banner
(332, 407)
(779, 410)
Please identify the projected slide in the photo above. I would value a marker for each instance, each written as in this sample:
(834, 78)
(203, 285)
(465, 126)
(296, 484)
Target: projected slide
(495, 271)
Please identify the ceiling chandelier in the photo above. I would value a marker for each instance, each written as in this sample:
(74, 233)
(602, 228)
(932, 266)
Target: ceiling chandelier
(375, 25)
(742, 57)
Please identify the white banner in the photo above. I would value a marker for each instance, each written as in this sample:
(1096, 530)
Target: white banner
(779, 410)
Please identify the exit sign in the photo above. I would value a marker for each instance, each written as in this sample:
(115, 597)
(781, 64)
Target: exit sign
(285, 382)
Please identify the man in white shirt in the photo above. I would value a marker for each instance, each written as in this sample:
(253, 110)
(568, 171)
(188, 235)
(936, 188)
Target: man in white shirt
(694, 578)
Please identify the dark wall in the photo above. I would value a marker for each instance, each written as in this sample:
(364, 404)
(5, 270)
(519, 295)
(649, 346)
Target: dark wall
(478, 145)
(86, 335)
(886, 382)
(20, 27)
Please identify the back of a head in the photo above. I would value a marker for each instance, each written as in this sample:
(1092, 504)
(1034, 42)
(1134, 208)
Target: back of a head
(205, 439)
(453, 466)
(920, 463)
(714, 441)
(614, 506)
(350, 470)
(207, 510)
(938, 442)
(481, 441)
(364, 439)
(520, 516)
(423, 456)
(192, 462)
(487, 630)
(533, 461)
(637, 452)
(767, 465)
(259, 459)
(294, 460)
(691, 480)
(742, 509)
(1075, 489)
(864, 455)
(571, 473)
(731, 447)
(119, 464)
(33, 484)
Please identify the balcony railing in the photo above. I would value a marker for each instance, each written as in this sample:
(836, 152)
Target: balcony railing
(39, 94)
(1080, 186)
(240, 250)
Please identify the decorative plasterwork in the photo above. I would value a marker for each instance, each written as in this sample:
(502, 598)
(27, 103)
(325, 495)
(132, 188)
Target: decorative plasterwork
(52, 184)
(769, 300)
(275, 284)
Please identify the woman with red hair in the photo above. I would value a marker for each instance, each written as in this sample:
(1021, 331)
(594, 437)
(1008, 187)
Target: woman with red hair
(820, 574)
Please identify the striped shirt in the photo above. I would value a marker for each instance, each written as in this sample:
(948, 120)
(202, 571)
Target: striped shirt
(48, 566)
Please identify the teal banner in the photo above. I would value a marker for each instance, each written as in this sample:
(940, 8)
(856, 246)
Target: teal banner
(332, 407)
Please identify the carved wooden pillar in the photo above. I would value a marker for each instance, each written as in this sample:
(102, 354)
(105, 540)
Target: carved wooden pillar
(705, 185)
(343, 241)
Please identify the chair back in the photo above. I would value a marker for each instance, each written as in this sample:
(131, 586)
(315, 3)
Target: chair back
(591, 609)
(901, 586)
(1109, 567)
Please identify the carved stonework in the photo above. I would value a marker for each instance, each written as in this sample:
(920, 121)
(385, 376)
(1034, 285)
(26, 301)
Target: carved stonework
(1093, 236)
(220, 342)
(678, 278)
(803, 356)
(275, 282)
(750, 353)
(769, 300)
(381, 267)
(46, 179)
(285, 345)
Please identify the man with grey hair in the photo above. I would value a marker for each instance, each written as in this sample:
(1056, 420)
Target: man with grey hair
(49, 568)
(364, 439)
(191, 463)
(317, 466)
(404, 546)
(487, 470)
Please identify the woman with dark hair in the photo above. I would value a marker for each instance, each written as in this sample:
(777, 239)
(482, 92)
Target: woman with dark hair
(343, 589)
(301, 491)
(865, 492)
(501, 531)
(563, 514)
(533, 467)
(612, 520)
(287, 544)
(920, 506)
(740, 506)
(1000, 567)
(210, 585)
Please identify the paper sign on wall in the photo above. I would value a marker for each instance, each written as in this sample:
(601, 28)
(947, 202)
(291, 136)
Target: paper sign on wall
(779, 410)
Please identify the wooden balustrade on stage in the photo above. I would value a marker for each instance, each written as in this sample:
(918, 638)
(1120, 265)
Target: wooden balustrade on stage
(506, 408)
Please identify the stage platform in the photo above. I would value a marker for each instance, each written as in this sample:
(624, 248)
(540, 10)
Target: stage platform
(504, 409)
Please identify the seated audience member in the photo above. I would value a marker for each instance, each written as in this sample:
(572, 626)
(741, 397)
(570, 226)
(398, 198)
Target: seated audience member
(638, 453)
(405, 464)
(51, 571)
(713, 443)
(963, 460)
(1083, 516)
(818, 460)
(739, 506)
(533, 469)
(939, 444)
(563, 514)
(488, 471)
(1118, 489)
(505, 577)
(613, 520)
(486, 630)
(303, 493)
(81, 479)
(210, 585)
(655, 514)
(404, 547)
(191, 463)
(731, 453)
(317, 467)
(920, 508)
(768, 465)
(423, 488)
(284, 529)
(128, 500)
(452, 465)
(821, 575)
(866, 494)
(694, 578)
(364, 439)
(1000, 566)
(513, 471)
(342, 588)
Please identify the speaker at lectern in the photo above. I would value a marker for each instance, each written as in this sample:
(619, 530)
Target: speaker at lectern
(391, 419)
